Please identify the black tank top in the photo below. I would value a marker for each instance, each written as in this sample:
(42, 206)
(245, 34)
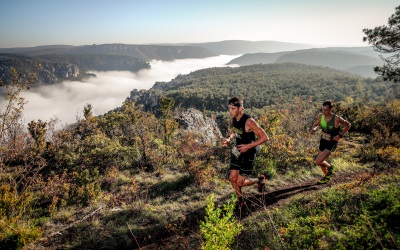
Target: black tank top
(243, 137)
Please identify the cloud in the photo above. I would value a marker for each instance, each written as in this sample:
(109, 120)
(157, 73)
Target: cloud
(106, 91)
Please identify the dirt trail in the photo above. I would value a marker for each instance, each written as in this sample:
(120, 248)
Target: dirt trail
(254, 203)
(259, 202)
(279, 197)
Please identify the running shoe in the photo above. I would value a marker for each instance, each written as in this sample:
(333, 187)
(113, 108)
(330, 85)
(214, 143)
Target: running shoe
(261, 183)
(324, 180)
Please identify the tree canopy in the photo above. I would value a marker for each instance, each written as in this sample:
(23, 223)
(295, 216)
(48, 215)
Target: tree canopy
(261, 85)
(386, 39)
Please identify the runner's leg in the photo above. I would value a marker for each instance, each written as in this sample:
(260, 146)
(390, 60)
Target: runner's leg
(249, 181)
(233, 178)
(321, 160)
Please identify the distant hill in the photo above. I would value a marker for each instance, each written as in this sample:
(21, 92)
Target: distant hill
(144, 52)
(257, 58)
(62, 62)
(365, 50)
(337, 60)
(259, 85)
(48, 49)
(100, 62)
(353, 60)
(359, 60)
(238, 47)
(50, 69)
(366, 71)
(166, 51)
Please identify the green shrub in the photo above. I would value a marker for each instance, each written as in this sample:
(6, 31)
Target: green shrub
(363, 213)
(87, 186)
(220, 227)
(267, 166)
(16, 230)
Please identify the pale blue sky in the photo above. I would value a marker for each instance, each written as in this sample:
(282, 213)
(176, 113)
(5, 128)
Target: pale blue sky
(25, 23)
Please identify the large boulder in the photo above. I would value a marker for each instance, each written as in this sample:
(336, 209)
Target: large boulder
(194, 121)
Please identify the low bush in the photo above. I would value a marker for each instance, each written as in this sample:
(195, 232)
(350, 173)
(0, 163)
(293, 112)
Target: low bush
(220, 226)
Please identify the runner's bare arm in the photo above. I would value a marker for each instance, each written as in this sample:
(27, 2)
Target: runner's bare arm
(346, 126)
(226, 141)
(316, 124)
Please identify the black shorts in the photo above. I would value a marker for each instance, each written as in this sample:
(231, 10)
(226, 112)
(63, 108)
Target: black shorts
(328, 145)
(244, 163)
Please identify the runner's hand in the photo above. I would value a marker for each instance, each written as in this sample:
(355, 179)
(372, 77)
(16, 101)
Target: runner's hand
(243, 148)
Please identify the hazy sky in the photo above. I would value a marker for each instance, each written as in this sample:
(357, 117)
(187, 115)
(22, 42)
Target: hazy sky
(26, 23)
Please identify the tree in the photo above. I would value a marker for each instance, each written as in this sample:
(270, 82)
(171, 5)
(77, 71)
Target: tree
(167, 119)
(386, 39)
(11, 112)
(38, 132)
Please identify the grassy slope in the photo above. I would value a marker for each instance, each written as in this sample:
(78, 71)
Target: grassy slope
(166, 211)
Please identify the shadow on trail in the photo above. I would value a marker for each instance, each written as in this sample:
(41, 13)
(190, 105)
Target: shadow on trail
(271, 199)
(191, 222)
(253, 203)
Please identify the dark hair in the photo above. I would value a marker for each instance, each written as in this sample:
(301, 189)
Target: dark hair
(328, 103)
(235, 101)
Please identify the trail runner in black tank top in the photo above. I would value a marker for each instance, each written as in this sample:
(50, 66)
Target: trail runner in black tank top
(248, 135)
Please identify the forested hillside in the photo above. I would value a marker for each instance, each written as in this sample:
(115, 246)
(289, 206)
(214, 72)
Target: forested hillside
(53, 64)
(100, 62)
(44, 71)
(49, 69)
(238, 47)
(141, 51)
(360, 62)
(261, 85)
(56, 63)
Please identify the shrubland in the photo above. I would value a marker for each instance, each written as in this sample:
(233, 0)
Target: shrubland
(128, 179)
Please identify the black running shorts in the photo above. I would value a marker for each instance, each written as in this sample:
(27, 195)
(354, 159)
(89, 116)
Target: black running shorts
(328, 145)
(244, 163)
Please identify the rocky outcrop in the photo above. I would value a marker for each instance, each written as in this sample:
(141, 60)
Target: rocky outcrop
(190, 120)
(50, 69)
(149, 99)
(194, 121)
(50, 73)
(39, 71)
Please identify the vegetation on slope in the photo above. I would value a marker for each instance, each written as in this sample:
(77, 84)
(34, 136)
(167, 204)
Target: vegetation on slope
(352, 60)
(141, 51)
(100, 62)
(262, 85)
(130, 179)
(361, 214)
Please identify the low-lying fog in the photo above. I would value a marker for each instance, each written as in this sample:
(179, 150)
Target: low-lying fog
(106, 91)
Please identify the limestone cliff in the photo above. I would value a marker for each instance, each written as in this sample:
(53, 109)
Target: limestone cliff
(194, 121)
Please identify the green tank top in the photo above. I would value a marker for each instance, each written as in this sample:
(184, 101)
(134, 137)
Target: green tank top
(329, 127)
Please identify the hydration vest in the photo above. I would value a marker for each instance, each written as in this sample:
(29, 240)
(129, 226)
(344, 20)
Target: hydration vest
(329, 127)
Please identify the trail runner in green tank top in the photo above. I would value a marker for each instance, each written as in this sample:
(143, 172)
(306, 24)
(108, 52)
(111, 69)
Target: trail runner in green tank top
(331, 134)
